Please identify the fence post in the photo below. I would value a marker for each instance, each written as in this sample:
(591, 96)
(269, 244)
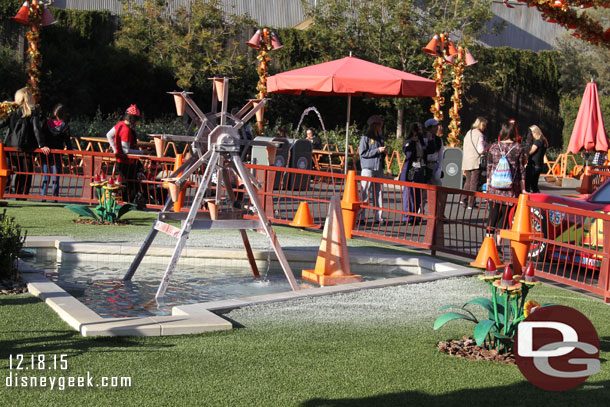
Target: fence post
(604, 270)
(434, 235)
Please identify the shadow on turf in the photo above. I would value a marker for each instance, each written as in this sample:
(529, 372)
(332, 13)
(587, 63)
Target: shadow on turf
(513, 395)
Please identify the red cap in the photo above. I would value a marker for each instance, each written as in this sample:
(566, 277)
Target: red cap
(119, 179)
(96, 178)
(507, 277)
(133, 110)
(529, 273)
(490, 267)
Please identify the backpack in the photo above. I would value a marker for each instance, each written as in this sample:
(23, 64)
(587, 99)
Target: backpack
(502, 177)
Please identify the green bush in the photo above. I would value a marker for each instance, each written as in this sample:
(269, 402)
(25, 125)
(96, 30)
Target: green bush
(11, 242)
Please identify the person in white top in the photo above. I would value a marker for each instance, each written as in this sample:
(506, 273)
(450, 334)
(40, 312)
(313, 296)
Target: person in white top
(474, 148)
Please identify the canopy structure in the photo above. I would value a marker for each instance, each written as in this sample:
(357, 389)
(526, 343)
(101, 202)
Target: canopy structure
(589, 133)
(349, 77)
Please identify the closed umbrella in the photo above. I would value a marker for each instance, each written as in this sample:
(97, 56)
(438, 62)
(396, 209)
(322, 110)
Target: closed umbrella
(349, 77)
(589, 133)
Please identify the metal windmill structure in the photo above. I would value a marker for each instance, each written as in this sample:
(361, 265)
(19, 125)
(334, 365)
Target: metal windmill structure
(215, 143)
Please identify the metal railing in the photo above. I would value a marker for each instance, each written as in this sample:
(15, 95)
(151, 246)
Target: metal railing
(572, 248)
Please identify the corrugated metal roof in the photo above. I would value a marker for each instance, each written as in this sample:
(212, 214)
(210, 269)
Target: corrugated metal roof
(273, 13)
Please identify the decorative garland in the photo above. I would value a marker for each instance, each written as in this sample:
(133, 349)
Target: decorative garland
(458, 91)
(6, 108)
(439, 101)
(562, 12)
(263, 63)
(33, 36)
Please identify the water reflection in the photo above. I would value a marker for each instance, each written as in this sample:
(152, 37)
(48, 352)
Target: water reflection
(100, 288)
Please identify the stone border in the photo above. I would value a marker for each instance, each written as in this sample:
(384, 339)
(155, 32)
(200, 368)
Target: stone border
(202, 317)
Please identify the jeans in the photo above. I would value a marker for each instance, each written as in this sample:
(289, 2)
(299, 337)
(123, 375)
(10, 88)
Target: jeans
(371, 191)
(54, 163)
(412, 197)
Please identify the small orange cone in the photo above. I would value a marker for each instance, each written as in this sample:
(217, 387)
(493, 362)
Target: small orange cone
(586, 185)
(487, 251)
(303, 218)
(332, 265)
(4, 171)
(520, 235)
(349, 203)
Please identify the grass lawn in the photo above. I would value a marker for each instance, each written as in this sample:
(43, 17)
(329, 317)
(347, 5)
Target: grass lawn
(277, 361)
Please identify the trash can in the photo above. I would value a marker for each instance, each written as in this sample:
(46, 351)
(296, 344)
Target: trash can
(452, 168)
(300, 159)
(260, 156)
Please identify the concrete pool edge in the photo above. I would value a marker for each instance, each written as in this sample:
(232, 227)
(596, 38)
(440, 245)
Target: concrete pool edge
(202, 317)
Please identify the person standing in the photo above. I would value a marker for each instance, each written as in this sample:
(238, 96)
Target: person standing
(372, 157)
(413, 170)
(57, 135)
(126, 142)
(25, 135)
(509, 148)
(434, 151)
(535, 160)
(474, 147)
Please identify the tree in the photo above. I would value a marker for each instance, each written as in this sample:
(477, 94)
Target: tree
(196, 44)
(391, 33)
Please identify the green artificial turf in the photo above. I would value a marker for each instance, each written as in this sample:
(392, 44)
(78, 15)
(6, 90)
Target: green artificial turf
(52, 219)
(274, 363)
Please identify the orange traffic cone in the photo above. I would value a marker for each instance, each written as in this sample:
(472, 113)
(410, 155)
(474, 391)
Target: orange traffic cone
(487, 251)
(586, 185)
(303, 218)
(332, 265)
(349, 203)
(521, 234)
(4, 173)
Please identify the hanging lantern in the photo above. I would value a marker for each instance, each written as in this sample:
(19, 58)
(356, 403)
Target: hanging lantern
(469, 59)
(433, 46)
(47, 17)
(23, 15)
(275, 42)
(255, 41)
(451, 50)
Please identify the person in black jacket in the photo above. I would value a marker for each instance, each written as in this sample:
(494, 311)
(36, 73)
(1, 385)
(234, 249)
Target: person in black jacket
(57, 135)
(24, 134)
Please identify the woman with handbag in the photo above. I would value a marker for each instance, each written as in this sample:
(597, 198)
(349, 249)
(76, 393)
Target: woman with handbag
(474, 149)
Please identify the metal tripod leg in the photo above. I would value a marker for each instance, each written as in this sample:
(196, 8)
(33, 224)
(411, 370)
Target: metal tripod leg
(146, 245)
(244, 236)
(187, 224)
(245, 176)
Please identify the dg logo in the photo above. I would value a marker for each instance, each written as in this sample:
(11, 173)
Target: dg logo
(557, 348)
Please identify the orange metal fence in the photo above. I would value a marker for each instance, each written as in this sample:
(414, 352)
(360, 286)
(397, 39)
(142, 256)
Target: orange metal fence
(570, 251)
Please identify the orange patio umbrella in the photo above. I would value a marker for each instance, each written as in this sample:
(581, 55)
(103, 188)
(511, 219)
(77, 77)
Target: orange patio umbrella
(589, 133)
(349, 77)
